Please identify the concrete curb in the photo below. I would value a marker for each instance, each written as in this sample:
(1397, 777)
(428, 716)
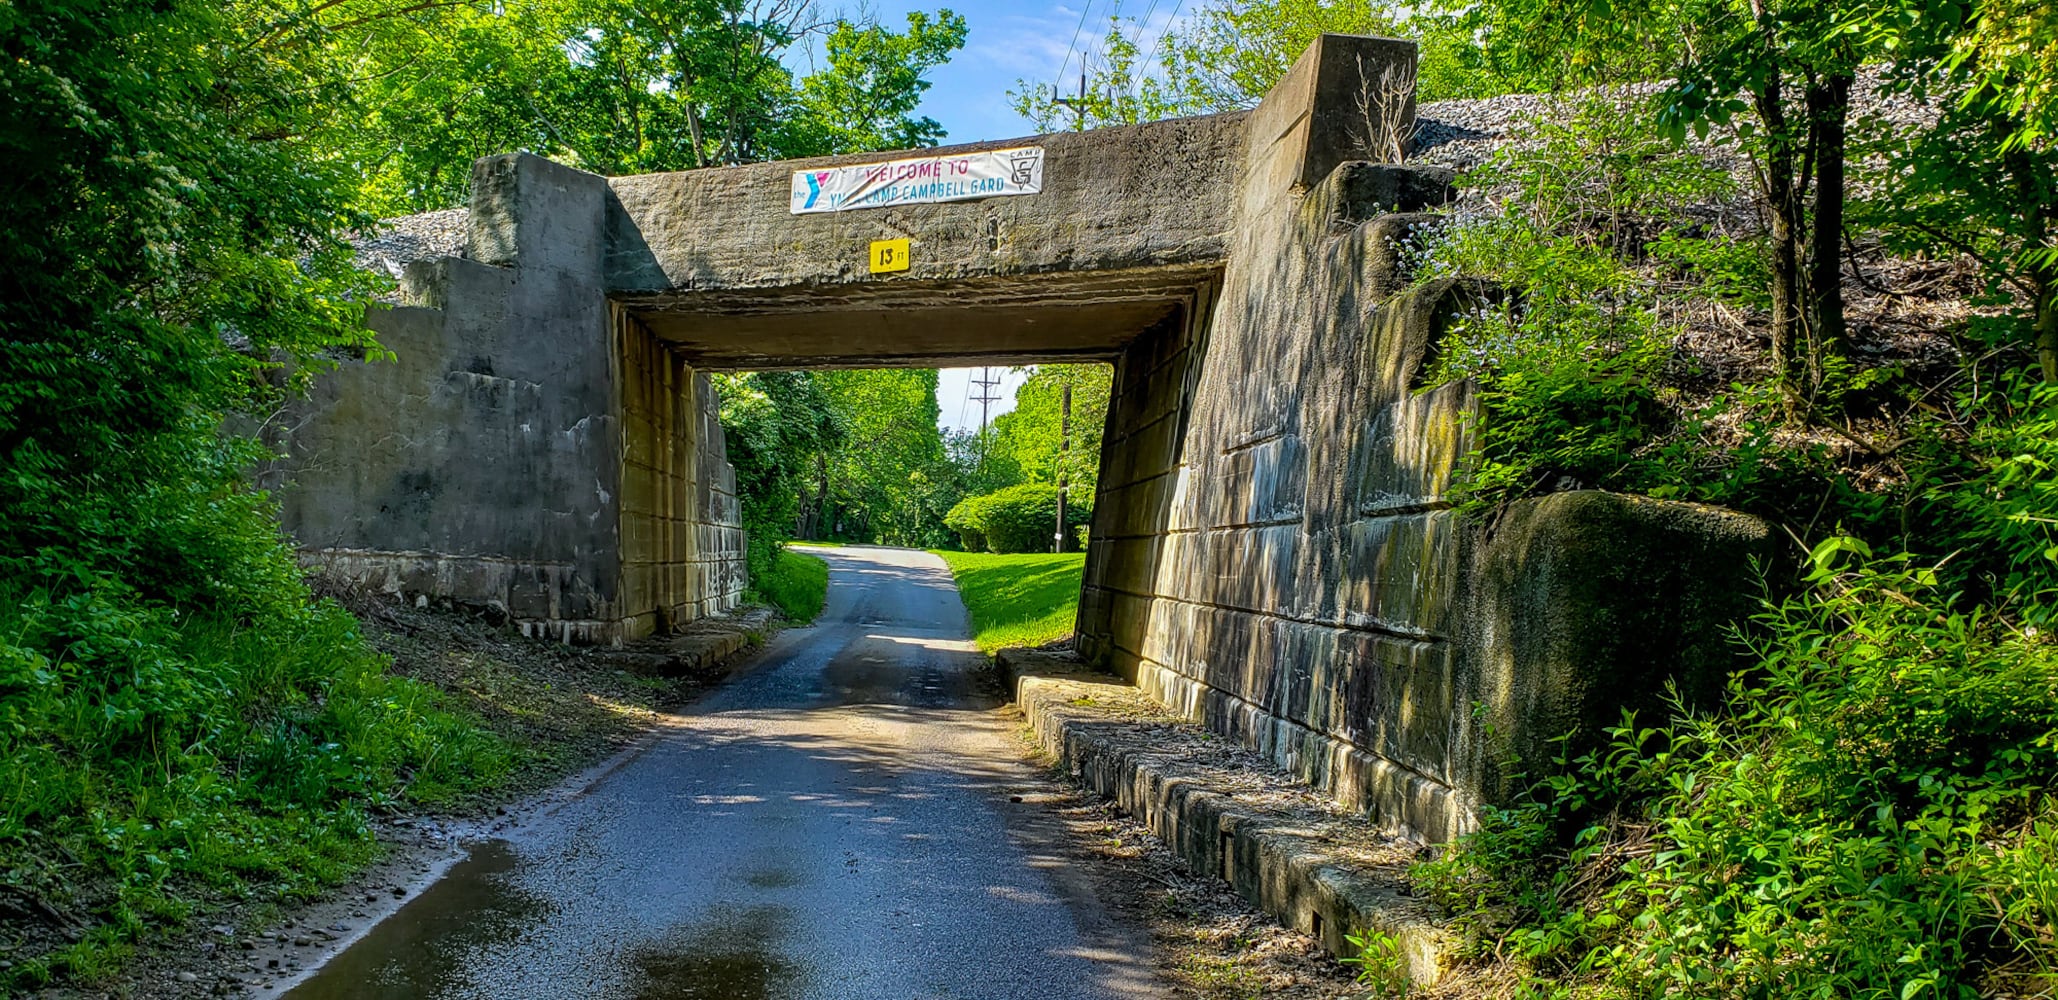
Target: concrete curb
(702, 651)
(1277, 862)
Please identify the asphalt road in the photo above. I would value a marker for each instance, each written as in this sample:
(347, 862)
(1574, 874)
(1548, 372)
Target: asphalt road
(836, 822)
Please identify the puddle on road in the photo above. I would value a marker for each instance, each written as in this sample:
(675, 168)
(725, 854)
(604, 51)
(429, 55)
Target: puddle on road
(730, 956)
(428, 948)
(420, 951)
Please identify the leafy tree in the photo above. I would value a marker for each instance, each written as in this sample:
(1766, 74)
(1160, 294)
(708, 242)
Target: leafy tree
(1776, 75)
(2009, 51)
(881, 484)
(1231, 52)
(1120, 91)
(1983, 180)
(405, 94)
(164, 249)
(1032, 438)
(1536, 45)
(840, 454)
(612, 86)
(981, 468)
(866, 98)
(1768, 51)
(776, 424)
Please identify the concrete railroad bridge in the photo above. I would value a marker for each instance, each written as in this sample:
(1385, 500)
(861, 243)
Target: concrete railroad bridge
(1271, 551)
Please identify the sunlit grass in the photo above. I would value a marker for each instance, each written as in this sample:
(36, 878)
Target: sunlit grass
(798, 585)
(1018, 600)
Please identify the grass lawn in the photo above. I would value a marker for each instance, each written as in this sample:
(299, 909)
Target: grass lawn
(1018, 600)
(797, 585)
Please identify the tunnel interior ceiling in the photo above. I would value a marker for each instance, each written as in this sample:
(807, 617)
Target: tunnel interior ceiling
(1018, 320)
(934, 337)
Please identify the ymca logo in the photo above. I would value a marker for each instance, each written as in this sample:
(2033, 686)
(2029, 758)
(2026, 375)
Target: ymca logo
(814, 186)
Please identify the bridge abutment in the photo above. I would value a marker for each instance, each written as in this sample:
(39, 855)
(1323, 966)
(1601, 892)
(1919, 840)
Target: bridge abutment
(530, 447)
(1274, 550)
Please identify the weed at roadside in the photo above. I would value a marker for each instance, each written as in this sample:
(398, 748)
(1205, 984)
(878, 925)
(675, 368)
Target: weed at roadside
(1381, 965)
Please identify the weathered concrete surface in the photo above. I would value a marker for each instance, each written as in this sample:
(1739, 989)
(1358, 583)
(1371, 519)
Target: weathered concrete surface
(1273, 553)
(702, 650)
(1129, 220)
(1587, 604)
(1313, 869)
(1114, 199)
(531, 447)
(837, 823)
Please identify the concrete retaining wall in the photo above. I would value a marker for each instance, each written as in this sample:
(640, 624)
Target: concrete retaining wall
(529, 447)
(1273, 550)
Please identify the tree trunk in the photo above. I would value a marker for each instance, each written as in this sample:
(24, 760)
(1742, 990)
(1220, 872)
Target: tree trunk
(1783, 204)
(2042, 274)
(821, 514)
(1829, 104)
(693, 130)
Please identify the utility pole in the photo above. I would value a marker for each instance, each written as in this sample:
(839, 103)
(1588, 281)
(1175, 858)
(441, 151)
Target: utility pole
(1077, 104)
(987, 397)
(1064, 464)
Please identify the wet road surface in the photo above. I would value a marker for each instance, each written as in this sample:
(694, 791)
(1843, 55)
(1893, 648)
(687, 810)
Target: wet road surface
(834, 823)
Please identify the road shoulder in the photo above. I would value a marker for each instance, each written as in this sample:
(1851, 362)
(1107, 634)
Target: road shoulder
(572, 713)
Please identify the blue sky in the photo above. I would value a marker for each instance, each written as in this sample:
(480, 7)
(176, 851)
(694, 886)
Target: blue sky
(1008, 40)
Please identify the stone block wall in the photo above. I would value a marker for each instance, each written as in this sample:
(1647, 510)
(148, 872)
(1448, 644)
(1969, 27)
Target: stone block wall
(1274, 552)
(682, 540)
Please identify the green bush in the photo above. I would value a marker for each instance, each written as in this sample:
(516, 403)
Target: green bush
(1996, 506)
(1568, 361)
(152, 751)
(1019, 518)
(966, 518)
(1572, 350)
(1871, 816)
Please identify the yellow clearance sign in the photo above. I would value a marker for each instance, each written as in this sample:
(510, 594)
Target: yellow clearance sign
(889, 256)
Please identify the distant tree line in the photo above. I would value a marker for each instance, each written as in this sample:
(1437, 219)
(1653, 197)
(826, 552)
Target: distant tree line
(860, 456)
(411, 92)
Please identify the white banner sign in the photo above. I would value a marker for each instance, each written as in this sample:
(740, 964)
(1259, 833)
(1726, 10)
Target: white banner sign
(961, 177)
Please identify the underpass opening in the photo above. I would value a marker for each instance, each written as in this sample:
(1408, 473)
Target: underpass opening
(1122, 320)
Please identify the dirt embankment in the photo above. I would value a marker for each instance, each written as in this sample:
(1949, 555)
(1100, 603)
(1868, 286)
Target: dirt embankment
(564, 710)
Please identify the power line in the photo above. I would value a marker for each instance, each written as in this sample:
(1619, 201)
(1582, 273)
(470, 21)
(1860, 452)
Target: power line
(1143, 68)
(1074, 47)
(967, 404)
(1160, 43)
(1097, 39)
